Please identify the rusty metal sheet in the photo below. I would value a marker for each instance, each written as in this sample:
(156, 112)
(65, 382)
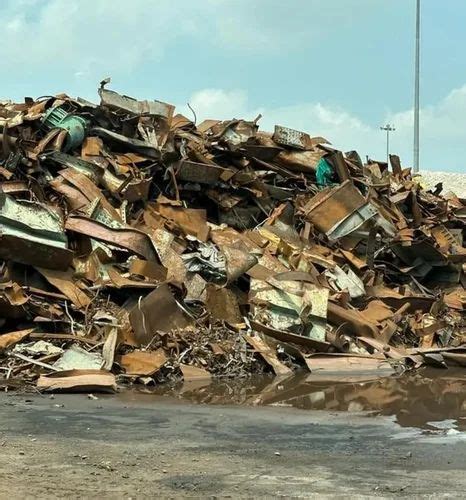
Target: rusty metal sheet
(190, 171)
(89, 169)
(137, 190)
(148, 269)
(268, 354)
(78, 381)
(327, 209)
(117, 279)
(300, 161)
(12, 338)
(142, 147)
(206, 125)
(192, 221)
(63, 281)
(143, 363)
(222, 304)
(351, 321)
(337, 160)
(157, 312)
(348, 364)
(89, 190)
(126, 238)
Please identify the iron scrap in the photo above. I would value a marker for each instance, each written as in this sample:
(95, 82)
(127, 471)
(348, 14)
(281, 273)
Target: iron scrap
(139, 247)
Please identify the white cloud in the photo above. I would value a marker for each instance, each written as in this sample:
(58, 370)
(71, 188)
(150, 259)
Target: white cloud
(117, 36)
(92, 35)
(218, 103)
(443, 125)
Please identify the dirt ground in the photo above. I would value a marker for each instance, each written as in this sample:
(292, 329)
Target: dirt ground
(75, 447)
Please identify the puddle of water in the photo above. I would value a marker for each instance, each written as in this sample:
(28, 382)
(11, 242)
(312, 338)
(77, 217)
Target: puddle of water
(430, 399)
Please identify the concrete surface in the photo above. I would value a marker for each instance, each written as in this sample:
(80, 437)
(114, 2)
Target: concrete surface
(74, 447)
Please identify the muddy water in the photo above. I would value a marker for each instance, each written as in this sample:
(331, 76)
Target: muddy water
(430, 399)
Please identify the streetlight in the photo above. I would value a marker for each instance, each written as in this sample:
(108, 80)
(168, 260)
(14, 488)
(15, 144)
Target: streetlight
(388, 128)
(416, 88)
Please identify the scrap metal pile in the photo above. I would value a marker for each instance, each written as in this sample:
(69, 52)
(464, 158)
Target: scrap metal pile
(136, 245)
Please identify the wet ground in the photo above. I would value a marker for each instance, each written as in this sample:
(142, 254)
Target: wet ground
(312, 438)
(424, 399)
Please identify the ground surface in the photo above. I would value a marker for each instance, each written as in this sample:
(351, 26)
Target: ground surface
(73, 447)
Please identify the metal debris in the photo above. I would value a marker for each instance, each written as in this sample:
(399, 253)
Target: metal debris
(138, 247)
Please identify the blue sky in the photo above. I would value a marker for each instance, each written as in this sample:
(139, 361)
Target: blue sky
(338, 68)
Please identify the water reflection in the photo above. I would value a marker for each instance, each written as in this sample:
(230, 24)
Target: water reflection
(414, 400)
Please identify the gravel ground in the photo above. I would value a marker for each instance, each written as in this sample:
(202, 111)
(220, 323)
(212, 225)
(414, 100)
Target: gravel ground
(73, 448)
(451, 181)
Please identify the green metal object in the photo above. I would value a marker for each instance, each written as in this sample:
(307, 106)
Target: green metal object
(324, 173)
(74, 125)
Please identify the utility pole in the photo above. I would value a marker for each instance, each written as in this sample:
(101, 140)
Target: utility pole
(388, 128)
(416, 87)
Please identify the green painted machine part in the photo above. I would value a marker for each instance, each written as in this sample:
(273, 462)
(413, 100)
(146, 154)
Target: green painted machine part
(74, 125)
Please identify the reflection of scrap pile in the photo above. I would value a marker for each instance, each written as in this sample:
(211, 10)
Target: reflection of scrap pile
(136, 243)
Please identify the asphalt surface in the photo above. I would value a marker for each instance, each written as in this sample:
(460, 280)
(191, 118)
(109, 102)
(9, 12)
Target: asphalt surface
(75, 447)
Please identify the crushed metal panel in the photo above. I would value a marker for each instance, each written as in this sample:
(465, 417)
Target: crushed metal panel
(238, 262)
(222, 304)
(157, 312)
(269, 355)
(329, 208)
(137, 190)
(419, 251)
(291, 306)
(191, 220)
(113, 100)
(293, 138)
(300, 161)
(289, 337)
(315, 312)
(138, 145)
(32, 233)
(87, 168)
(77, 358)
(148, 269)
(202, 173)
(239, 132)
(346, 280)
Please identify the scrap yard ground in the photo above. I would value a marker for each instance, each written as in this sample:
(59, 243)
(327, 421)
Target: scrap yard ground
(74, 447)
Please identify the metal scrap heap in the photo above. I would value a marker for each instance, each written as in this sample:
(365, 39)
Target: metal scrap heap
(138, 246)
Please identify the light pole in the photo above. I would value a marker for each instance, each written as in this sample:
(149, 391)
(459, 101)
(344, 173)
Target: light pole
(416, 88)
(388, 128)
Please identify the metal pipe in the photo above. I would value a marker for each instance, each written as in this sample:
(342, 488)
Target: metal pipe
(416, 87)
